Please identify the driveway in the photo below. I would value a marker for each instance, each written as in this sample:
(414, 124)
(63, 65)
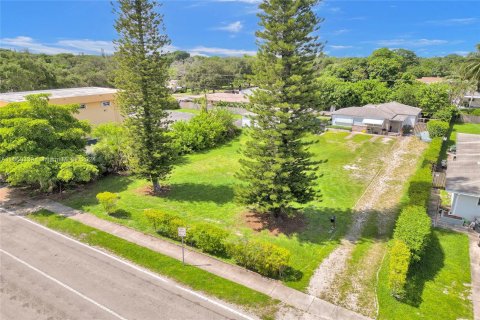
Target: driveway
(180, 116)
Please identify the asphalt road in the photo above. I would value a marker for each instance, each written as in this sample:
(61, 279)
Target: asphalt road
(46, 276)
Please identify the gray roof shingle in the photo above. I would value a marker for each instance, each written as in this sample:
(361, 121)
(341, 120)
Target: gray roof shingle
(390, 110)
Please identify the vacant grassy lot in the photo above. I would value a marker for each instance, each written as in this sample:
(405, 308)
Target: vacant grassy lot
(473, 128)
(439, 286)
(202, 189)
(195, 278)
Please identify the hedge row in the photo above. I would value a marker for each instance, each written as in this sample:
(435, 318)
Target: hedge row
(398, 268)
(413, 227)
(437, 128)
(265, 258)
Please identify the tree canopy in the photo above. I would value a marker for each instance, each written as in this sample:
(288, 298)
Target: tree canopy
(142, 75)
(42, 145)
(277, 169)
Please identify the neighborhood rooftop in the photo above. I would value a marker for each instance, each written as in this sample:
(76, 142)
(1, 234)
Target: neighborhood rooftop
(57, 93)
(463, 173)
(391, 110)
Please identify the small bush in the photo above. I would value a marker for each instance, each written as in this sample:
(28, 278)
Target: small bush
(108, 200)
(172, 103)
(265, 258)
(445, 114)
(398, 268)
(414, 228)
(437, 128)
(206, 130)
(164, 223)
(209, 238)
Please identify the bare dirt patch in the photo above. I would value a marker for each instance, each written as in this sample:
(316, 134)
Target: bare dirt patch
(259, 222)
(148, 191)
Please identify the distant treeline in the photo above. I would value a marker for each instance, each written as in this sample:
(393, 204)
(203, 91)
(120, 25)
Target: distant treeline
(20, 71)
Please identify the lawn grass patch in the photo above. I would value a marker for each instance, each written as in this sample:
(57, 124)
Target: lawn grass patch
(191, 276)
(201, 189)
(438, 286)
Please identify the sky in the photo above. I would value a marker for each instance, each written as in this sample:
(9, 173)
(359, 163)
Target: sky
(227, 27)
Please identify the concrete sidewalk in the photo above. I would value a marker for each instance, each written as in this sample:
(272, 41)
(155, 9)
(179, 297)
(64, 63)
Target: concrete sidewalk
(275, 289)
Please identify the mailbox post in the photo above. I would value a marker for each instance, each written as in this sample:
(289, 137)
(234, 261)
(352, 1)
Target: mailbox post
(182, 233)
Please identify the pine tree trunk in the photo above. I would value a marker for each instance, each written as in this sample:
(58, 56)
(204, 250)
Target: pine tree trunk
(155, 185)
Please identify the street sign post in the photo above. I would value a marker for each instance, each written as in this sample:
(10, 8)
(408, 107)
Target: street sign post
(182, 233)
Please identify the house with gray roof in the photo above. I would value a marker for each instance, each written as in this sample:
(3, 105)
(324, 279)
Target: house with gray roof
(383, 118)
(463, 177)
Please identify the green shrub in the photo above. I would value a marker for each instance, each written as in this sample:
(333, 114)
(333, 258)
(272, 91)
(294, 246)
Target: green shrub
(223, 104)
(108, 200)
(165, 223)
(414, 228)
(209, 238)
(437, 128)
(206, 130)
(172, 103)
(445, 114)
(433, 152)
(265, 258)
(398, 268)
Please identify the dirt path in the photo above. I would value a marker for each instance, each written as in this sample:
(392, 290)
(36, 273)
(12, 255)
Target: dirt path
(334, 280)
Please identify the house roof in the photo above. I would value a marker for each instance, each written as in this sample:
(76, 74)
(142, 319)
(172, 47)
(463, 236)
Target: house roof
(368, 111)
(391, 110)
(463, 173)
(429, 80)
(57, 93)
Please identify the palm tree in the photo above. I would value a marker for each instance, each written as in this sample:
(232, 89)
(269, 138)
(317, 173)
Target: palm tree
(472, 66)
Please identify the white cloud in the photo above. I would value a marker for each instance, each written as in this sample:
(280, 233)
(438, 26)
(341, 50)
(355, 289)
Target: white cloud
(61, 46)
(200, 50)
(453, 22)
(233, 27)
(27, 43)
(410, 42)
(338, 47)
(86, 45)
(74, 46)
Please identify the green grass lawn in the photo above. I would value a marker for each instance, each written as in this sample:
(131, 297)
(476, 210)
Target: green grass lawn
(439, 286)
(473, 128)
(191, 276)
(202, 189)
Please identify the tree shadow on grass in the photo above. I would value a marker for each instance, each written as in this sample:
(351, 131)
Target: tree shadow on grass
(121, 214)
(424, 270)
(85, 195)
(197, 192)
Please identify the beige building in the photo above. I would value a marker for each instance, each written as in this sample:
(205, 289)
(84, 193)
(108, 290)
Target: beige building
(97, 105)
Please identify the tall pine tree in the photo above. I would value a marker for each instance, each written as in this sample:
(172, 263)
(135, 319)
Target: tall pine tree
(276, 166)
(141, 77)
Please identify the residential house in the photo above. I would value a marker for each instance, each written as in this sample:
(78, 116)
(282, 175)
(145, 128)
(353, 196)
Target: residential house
(472, 100)
(463, 177)
(97, 105)
(391, 117)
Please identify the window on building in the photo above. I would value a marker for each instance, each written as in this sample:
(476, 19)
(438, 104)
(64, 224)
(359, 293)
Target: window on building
(83, 106)
(105, 103)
